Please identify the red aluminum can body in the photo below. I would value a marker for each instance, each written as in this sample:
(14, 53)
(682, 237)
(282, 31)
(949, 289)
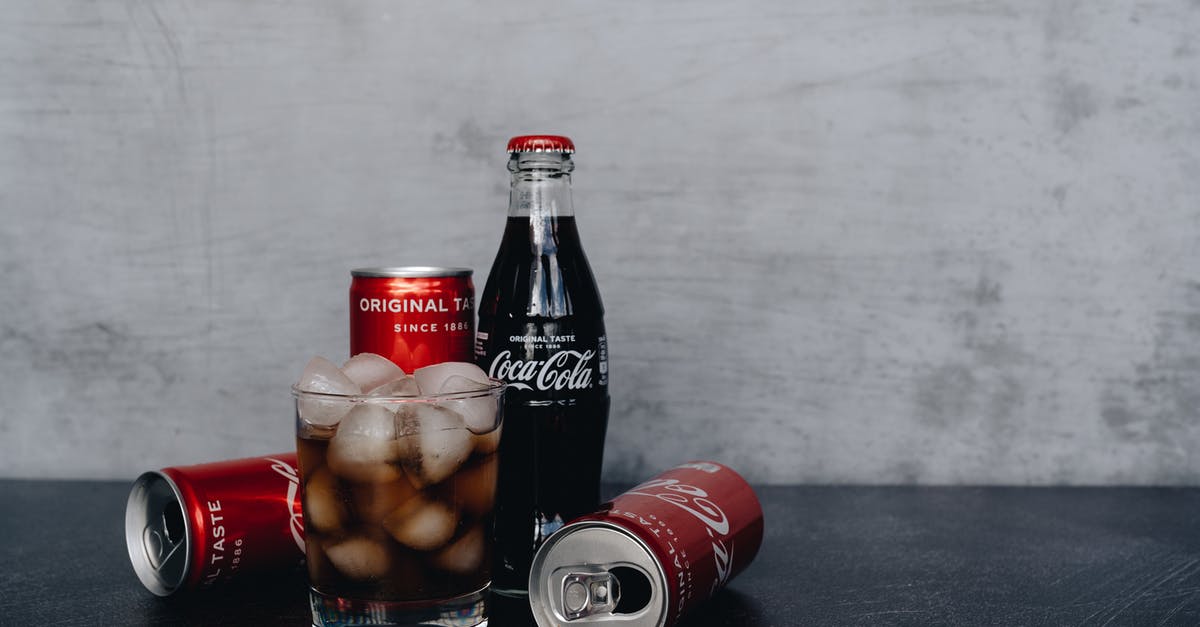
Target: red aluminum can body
(700, 525)
(416, 315)
(190, 527)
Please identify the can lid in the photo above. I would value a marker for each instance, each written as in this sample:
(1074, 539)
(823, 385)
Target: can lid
(595, 572)
(541, 143)
(410, 272)
(157, 533)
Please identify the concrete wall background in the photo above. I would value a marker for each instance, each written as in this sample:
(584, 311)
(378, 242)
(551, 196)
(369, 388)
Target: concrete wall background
(839, 241)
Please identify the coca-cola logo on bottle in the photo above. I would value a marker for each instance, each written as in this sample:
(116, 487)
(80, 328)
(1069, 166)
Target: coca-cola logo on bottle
(564, 370)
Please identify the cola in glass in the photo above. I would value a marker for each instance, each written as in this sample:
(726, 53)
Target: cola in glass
(541, 330)
(398, 481)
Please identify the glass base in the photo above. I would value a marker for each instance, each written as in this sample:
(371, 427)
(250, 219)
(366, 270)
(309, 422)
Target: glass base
(468, 610)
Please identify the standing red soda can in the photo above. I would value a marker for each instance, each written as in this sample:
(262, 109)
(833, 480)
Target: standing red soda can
(416, 316)
(189, 527)
(652, 554)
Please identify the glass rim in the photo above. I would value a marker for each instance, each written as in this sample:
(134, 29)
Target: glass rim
(495, 386)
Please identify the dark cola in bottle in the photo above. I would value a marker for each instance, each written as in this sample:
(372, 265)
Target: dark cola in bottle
(541, 329)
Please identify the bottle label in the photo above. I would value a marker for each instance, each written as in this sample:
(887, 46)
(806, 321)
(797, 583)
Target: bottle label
(564, 370)
(548, 363)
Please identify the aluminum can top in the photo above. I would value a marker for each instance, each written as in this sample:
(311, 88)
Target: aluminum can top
(541, 143)
(158, 534)
(570, 580)
(410, 272)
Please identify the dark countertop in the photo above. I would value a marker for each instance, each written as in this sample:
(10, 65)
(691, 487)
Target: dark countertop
(832, 555)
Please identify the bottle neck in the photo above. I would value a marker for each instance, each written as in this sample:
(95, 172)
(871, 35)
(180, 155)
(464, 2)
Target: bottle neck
(541, 194)
(541, 185)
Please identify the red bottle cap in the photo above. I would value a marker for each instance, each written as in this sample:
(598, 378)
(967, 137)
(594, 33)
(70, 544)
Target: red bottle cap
(541, 143)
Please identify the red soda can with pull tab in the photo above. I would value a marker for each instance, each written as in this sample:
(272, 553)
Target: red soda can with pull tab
(415, 316)
(650, 555)
(190, 527)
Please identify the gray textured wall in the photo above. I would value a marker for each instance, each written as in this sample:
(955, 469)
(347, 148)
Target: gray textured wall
(839, 241)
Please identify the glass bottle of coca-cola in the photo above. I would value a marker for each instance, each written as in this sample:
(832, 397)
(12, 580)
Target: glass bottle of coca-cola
(541, 329)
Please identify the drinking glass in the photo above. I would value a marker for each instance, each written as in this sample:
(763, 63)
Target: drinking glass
(398, 494)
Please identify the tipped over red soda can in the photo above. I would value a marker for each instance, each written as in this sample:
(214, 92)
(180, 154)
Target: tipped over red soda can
(190, 527)
(650, 555)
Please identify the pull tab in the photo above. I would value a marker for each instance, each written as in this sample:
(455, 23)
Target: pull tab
(154, 545)
(585, 594)
(162, 537)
